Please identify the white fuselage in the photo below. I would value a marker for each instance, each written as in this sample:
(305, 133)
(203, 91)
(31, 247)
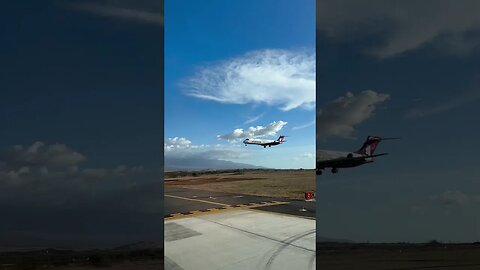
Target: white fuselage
(258, 141)
(262, 142)
(337, 159)
(327, 154)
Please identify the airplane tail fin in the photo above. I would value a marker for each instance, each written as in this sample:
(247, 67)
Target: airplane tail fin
(281, 138)
(370, 145)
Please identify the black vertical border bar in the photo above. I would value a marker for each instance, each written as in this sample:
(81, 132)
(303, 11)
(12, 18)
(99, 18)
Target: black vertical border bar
(162, 124)
(317, 98)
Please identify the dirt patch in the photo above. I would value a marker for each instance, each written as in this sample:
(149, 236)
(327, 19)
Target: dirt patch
(290, 184)
(204, 180)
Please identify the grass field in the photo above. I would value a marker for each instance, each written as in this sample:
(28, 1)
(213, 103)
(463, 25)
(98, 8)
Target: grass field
(290, 184)
(81, 260)
(398, 256)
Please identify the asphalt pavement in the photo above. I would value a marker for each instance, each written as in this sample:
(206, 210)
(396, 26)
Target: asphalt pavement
(186, 201)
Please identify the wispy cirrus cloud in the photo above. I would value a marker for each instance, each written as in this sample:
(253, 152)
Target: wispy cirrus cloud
(252, 132)
(450, 104)
(404, 25)
(144, 11)
(253, 119)
(304, 125)
(339, 118)
(273, 77)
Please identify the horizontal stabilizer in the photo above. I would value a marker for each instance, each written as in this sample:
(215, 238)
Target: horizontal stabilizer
(377, 155)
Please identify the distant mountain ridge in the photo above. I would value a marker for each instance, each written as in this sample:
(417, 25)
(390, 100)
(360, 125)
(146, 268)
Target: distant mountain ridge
(198, 164)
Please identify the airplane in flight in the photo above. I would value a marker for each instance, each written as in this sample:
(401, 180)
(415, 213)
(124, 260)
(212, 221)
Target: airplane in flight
(335, 160)
(265, 143)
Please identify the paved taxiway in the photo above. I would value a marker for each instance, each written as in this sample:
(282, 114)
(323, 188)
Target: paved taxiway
(216, 230)
(184, 201)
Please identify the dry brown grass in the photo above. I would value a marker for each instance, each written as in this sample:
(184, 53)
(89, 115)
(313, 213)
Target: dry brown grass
(280, 183)
(449, 256)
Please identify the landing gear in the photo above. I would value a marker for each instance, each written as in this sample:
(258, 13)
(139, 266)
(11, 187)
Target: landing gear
(269, 146)
(334, 170)
(318, 172)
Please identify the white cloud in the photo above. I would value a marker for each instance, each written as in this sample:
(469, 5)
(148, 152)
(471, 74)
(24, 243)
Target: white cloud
(404, 25)
(455, 198)
(339, 118)
(176, 141)
(127, 10)
(204, 151)
(304, 126)
(253, 119)
(39, 154)
(193, 156)
(42, 178)
(42, 167)
(304, 156)
(447, 202)
(450, 104)
(273, 77)
(252, 132)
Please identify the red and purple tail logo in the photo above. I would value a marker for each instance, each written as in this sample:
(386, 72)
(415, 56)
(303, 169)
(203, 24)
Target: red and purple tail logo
(369, 146)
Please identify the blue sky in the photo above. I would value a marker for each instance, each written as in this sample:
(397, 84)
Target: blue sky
(420, 62)
(81, 115)
(241, 64)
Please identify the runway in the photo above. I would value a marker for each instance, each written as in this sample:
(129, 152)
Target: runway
(215, 230)
(184, 202)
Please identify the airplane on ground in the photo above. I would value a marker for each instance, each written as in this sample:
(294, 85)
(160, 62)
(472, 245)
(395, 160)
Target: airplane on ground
(265, 143)
(335, 160)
